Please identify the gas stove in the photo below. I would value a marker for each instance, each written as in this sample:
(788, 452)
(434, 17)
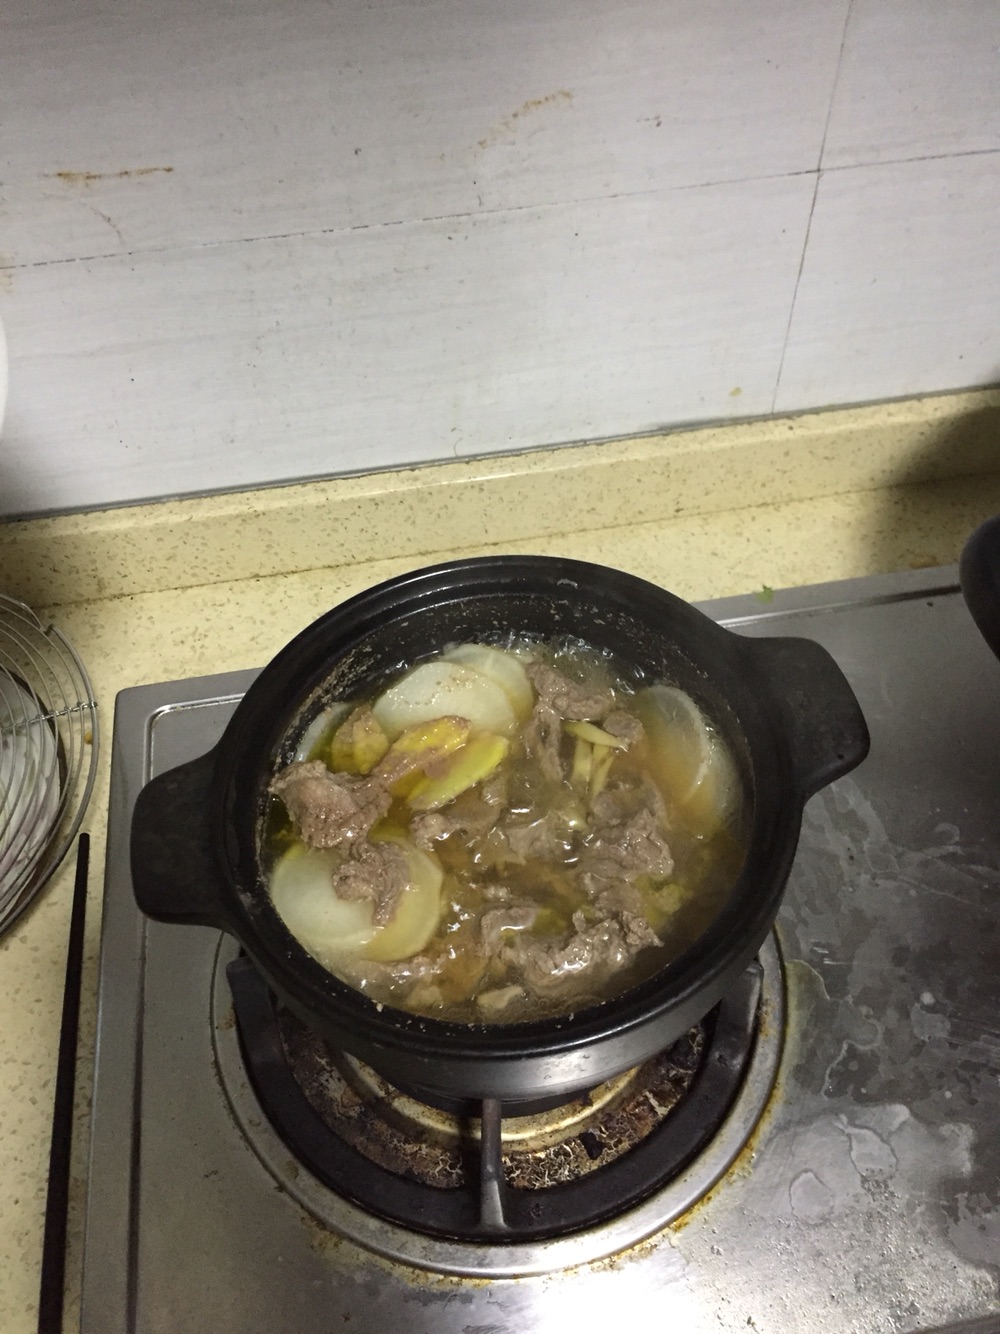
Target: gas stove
(821, 1153)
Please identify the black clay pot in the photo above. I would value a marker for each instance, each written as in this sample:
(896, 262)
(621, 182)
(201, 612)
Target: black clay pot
(979, 572)
(783, 705)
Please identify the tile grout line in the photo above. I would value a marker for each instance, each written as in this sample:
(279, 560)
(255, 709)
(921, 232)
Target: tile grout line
(477, 215)
(382, 224)
(812, 207)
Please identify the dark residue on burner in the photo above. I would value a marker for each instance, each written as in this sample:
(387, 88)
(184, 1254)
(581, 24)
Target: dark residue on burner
(444, 1155)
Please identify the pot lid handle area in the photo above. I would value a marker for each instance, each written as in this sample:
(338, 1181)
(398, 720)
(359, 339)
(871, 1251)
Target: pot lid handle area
(827, 731)
(174, 873)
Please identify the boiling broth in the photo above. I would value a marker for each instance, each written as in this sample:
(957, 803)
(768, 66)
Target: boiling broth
(580, 864)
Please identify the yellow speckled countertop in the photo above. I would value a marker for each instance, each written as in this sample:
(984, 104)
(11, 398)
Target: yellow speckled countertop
(192, 587)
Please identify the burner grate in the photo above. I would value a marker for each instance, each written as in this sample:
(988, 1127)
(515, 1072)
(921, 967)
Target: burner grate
(594, 1158)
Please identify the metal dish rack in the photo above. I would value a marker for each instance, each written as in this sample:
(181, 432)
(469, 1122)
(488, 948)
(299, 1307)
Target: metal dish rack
(48, 753)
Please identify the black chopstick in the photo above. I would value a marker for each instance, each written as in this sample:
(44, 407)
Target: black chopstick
(51, 1294)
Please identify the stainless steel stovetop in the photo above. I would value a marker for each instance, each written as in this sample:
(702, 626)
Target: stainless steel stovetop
(868, 1198)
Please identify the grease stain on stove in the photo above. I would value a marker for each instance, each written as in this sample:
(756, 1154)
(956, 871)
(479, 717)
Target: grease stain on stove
(740, 1168)
(369, 1268)
(841, 1169)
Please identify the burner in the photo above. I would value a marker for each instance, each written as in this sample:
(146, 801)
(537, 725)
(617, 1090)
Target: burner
(498, 1177)
(524, 1201)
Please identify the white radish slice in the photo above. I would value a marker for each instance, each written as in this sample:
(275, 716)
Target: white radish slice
(692, 766)
(503, 668)
(303, 897)
(333, 929)
(417, 913)
(435, 689)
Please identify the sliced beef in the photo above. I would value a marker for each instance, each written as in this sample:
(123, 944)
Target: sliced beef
(378, 872)
(636, 846)
(426, 829)
(567, 698)
(625, 726)
(542, 737)
(624, 903)
(330, 810)
(615, 803)
(469, 814)
(546, 838)
(627, 841)
(558, 699)
(593, 953)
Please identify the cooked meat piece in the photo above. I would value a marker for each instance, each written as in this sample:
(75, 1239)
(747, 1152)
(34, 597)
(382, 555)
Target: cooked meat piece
(618, 898)
(625, 726)
(546, 838)
(638, 932)
(624, 903)
(467, 814)
(593, 953)
(623, 851)
(330, 810)
(542, 737)
(627, 838)
(498, 920)
(375, 871)
(565, 697)
(559, 698)
(618, 801)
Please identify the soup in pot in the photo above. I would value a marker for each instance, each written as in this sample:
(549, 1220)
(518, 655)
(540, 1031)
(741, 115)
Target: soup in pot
(505, 834)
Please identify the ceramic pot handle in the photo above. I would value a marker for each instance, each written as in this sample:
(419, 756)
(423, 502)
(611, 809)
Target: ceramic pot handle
(827, 730)
(979, 574)
(174, 872)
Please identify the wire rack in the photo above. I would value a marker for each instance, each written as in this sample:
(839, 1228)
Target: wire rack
(48, 753)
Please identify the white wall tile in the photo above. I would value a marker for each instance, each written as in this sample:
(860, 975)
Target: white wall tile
(244, 363)
(259, 195)
(900, 289)
(270, 118)
(917, 78)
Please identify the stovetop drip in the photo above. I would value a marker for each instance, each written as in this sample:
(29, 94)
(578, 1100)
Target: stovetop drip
(497, 1175)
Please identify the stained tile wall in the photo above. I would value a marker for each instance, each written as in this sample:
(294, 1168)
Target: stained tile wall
(245, 241)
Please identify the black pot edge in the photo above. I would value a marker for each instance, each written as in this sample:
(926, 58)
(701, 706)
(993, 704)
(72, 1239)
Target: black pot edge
(979, 576)
(516, 1070)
